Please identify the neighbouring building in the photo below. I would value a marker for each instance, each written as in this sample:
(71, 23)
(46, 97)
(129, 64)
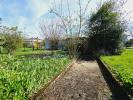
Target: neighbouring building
(34, 43)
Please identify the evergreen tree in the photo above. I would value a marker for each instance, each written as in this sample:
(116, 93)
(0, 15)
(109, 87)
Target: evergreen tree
(105, 29)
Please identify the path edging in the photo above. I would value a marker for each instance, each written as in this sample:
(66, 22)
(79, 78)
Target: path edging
(105, 67)
(61, 73)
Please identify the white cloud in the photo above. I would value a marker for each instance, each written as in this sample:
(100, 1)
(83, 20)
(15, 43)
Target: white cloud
(129, 8)
(38, 7)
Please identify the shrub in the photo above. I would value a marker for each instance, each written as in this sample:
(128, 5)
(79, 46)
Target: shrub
(13, 39)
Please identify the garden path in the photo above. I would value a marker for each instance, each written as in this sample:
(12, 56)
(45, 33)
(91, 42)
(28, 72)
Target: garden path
(83, 81)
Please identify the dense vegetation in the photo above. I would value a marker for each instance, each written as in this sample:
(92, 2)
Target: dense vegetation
(105, 28)
(12, 39)
(122, 66)
(20, 76)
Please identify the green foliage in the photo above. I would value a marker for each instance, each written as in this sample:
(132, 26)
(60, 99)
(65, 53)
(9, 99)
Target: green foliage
(29, 51)
(129, 43)
(20, 76)
(2, 42)
(13, 39)
(122, 67)
(105, 29)
(13, 42)
(44, 44)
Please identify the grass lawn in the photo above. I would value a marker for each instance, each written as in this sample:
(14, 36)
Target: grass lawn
(29, 51)
(21, 76)
(122, 67)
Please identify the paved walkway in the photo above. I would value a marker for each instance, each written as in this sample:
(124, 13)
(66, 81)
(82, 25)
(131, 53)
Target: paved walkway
(83, 81)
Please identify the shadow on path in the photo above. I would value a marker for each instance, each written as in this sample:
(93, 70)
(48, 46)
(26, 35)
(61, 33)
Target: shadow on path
(87, 58)
(118, 92)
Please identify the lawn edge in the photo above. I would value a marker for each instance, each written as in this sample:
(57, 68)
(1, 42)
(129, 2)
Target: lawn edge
(113, 77)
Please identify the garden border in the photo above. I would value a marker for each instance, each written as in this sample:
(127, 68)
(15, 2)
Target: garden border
(61, 73)
(120, 92)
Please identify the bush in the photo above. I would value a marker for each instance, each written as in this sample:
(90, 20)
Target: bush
(2, 41)
(13, 39)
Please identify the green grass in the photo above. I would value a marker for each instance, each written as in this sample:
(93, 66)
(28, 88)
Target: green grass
(29, 51)
(122, 67)
(129, 47)
(20, 76)
(19, 53)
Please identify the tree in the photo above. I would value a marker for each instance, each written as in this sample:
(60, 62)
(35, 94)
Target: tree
(72, 23)
(105, 29)
(1, 38)
(129, 43)
(130, 30)
(52, 33)
(2, 42)
(13, 39)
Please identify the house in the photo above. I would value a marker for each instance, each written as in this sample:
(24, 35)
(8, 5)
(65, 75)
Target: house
(57, 45)
(34, 43)
(62, 43)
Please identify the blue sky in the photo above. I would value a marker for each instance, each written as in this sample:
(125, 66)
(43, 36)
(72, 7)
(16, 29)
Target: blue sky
(26, 14)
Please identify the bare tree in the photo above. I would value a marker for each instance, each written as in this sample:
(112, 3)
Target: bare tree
(51, 32)
(72, 23)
